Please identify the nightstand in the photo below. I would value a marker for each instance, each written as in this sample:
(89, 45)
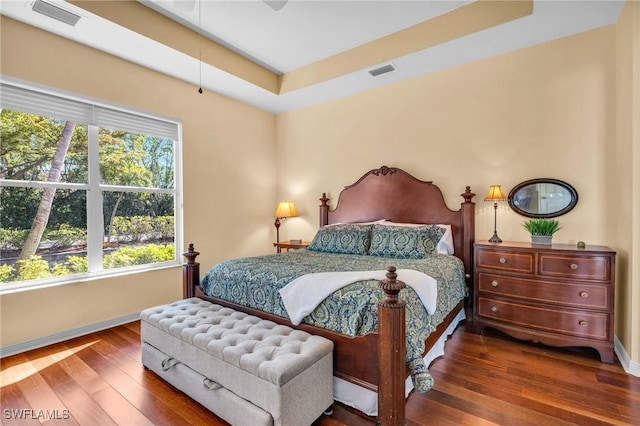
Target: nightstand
(558, 295)
(288, 245)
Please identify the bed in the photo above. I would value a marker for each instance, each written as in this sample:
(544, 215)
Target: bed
(387, 218)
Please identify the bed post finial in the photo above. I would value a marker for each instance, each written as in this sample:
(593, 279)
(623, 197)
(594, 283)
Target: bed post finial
(467, 194)
(469, 231)
(190, 272)
(324, 210)
(391, 347)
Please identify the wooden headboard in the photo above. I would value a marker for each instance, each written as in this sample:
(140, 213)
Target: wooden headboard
(391, 193)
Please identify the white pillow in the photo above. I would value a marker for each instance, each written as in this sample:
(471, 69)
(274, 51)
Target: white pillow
(445, 245)
(379, 221)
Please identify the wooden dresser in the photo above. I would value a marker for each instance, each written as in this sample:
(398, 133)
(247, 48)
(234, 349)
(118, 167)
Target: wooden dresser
(558, 295)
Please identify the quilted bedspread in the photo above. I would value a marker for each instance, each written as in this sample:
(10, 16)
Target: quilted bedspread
(254, 282)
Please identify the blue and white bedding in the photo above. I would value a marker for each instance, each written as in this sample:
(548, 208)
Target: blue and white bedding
(255, 282)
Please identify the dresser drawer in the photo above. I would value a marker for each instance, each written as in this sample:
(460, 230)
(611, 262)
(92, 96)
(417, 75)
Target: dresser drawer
(591, 325)
(580, 295)
(577, 267)
(505, 260)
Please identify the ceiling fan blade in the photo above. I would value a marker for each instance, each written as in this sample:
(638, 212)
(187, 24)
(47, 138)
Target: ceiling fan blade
(276, 4)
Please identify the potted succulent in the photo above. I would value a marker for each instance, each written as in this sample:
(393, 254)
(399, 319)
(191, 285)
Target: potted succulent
(542, 230)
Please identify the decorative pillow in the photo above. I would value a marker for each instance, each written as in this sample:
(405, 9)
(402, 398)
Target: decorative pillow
(345, 239)
(405, 242)
(445, 245)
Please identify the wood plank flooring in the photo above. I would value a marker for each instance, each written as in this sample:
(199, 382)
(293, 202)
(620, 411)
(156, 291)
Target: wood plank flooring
(486, 379)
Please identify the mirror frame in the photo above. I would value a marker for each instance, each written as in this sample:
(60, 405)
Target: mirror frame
(572, 192)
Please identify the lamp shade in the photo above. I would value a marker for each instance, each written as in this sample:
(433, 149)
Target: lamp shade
(495, 194)
(285, 209)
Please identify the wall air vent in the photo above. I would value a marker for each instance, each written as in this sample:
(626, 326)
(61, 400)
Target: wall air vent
(55, 12)
(382, 70)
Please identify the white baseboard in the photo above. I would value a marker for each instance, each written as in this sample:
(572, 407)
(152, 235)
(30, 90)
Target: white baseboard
(630, 366)
(66, 335)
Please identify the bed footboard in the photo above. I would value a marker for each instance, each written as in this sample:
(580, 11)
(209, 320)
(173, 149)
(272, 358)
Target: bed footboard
(390, 360)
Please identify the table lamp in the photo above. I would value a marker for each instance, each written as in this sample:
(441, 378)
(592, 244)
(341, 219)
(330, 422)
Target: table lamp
(495, 194)
(284, 210)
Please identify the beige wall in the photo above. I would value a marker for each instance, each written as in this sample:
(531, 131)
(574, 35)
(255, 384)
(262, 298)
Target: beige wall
(229, 195)
(624, 202)
(544, 111)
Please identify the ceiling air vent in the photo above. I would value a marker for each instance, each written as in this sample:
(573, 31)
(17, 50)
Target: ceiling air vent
(55, 12)
(382, 70)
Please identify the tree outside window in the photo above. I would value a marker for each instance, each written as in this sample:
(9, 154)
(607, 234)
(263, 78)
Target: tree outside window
(78, 199)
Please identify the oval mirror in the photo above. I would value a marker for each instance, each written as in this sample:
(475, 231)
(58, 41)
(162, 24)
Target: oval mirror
(542, 198)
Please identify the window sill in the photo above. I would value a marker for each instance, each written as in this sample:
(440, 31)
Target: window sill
(11, 288)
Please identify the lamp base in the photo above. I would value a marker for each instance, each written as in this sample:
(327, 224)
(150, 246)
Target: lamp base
(277, 223)
(495, 238)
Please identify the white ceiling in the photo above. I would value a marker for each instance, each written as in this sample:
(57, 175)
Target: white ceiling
(305, 31)
(302, 31)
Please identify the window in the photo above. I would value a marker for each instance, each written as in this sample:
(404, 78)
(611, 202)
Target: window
(86, 189)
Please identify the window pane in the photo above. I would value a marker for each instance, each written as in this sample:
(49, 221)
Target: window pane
(40, 148)
(129, 159)
(62, 237)
(139, 229)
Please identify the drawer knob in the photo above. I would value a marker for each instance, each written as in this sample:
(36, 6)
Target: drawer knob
(503, 260)
(583, 323)
(494, 309)
(573, 266)
(494, 283)
(584, 294)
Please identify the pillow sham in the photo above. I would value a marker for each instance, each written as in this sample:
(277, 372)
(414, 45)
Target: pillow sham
(445, 245)
(404, 242)
(344, 239)
(358, 223)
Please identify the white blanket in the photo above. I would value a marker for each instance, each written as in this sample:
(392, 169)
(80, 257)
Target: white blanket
(302, 295)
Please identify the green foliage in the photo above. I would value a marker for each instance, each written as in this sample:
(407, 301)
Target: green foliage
(542, 226)
(18, 206)
(33, 268)
(65, 236)
(165, 227)
(6, 273)
(139, 255)
(62, 238)
(12, 239)
(141, 228)
(133, 229)
(37, 268)
(29, 143)
(77, 264)
(59, 270)
(28, 146)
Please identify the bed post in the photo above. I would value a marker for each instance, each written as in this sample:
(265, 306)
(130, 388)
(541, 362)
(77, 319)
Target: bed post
(391, 356)
(190, 273)
(324, 210)
(469, 226)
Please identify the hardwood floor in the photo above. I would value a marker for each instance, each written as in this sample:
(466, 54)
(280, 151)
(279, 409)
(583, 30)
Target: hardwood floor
(483, 379)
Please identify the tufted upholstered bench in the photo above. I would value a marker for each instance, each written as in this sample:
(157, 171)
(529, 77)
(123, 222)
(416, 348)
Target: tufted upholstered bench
(247, 370)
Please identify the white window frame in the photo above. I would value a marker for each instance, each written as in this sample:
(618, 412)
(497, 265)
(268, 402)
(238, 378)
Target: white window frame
(35, 99)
